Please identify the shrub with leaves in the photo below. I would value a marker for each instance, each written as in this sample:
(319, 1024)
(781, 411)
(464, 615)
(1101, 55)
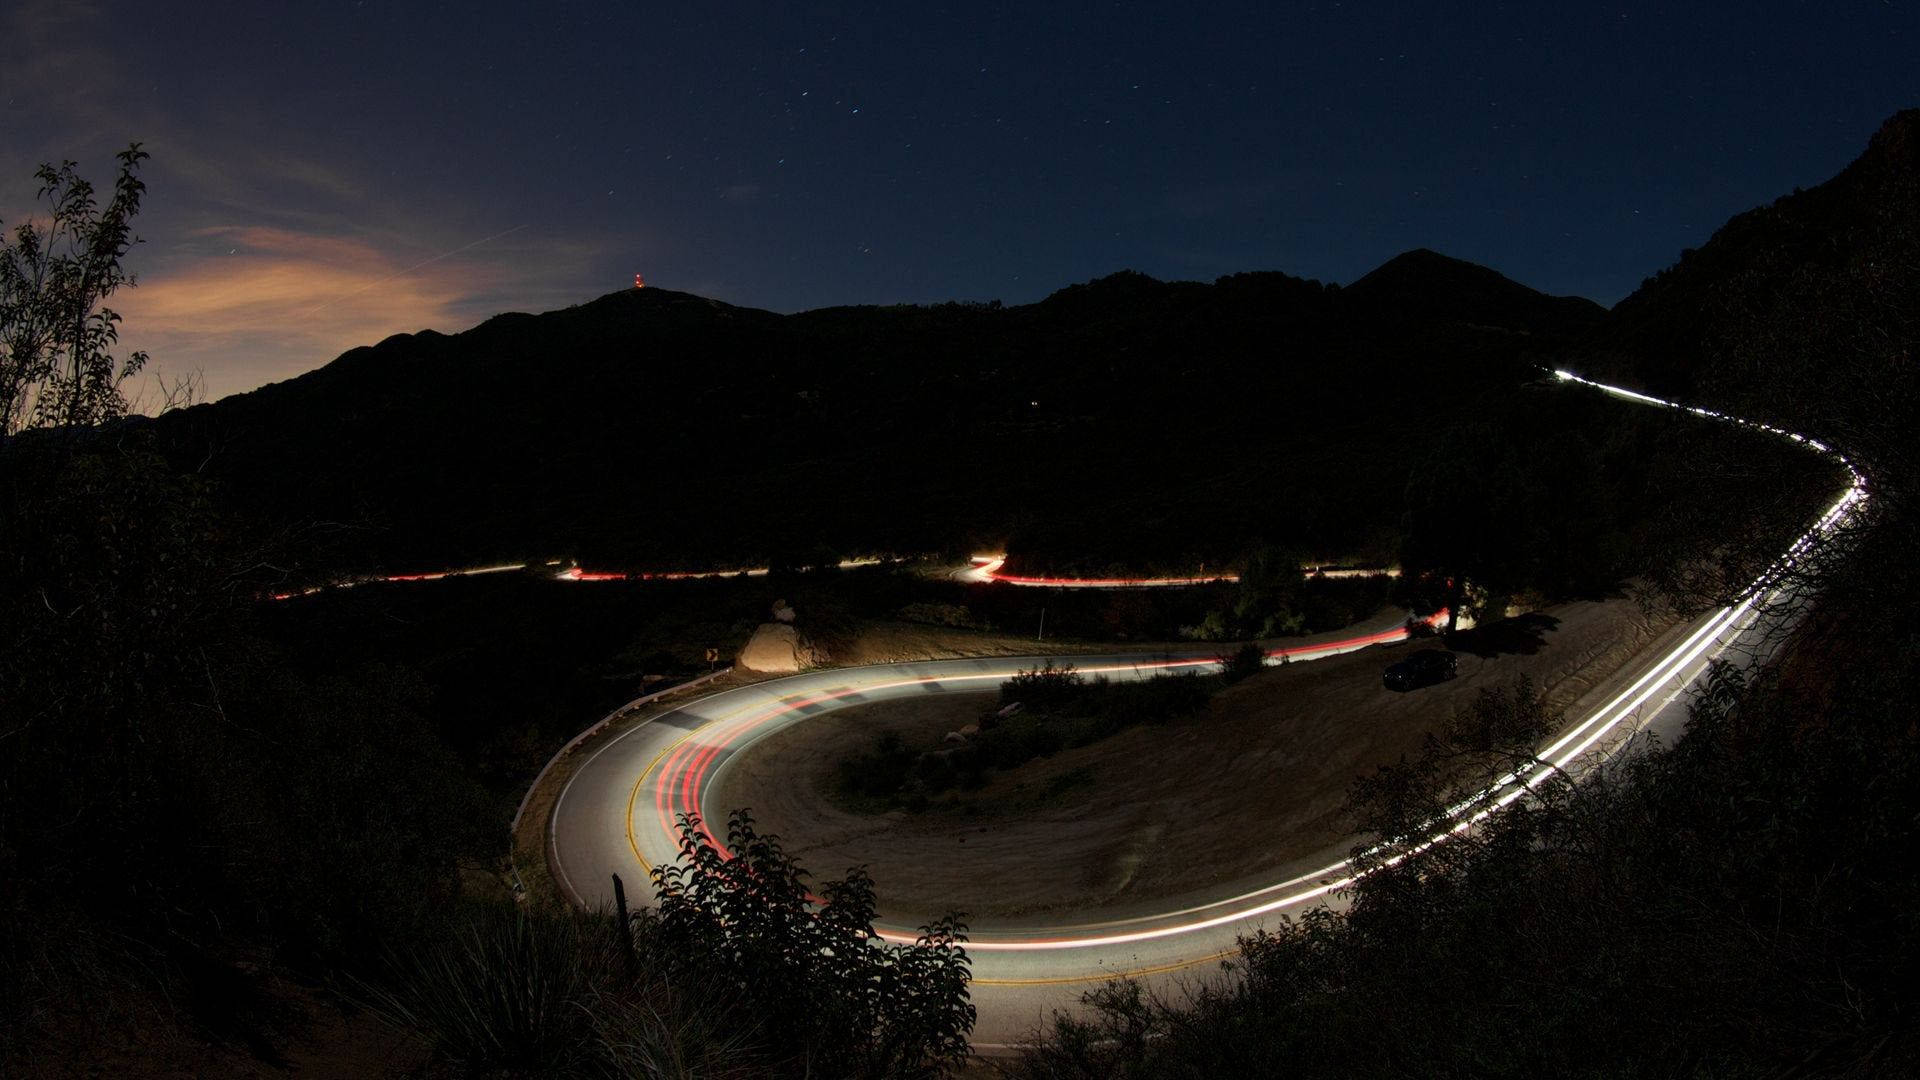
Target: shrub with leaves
(1248, 659)
(1502, 719)
(1044, 687)
(824, 990)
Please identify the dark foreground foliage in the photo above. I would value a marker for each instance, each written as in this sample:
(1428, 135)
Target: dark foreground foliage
(827, 996)
(502, 991)
(740, 972)
(178, 806)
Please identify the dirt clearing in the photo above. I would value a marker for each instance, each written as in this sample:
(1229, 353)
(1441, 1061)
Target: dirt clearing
(1252, 789)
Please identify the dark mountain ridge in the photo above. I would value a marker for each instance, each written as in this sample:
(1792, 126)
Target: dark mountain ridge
(1863, 220)
(1803, 311)
(650, 426)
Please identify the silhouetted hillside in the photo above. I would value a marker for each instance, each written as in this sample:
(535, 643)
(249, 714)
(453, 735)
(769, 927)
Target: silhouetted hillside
(1860, 223)
(651, 427)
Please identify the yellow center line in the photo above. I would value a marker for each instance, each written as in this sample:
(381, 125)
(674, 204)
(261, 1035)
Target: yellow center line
(634, 795)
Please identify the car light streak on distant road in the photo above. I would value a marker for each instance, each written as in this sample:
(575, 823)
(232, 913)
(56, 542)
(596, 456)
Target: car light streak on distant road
(436, 575)
(985, 569)
(669, 764)
(574, 573)
(571, 573)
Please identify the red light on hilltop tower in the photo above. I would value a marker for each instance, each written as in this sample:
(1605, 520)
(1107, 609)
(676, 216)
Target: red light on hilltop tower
(639, 282)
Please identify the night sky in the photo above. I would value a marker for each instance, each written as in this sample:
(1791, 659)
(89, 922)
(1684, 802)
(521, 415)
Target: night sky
(326, 174)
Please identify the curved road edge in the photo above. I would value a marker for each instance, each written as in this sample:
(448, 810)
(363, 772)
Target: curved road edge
(540, 779)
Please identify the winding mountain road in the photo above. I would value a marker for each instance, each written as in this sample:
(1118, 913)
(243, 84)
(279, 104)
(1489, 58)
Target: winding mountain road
(616, 813)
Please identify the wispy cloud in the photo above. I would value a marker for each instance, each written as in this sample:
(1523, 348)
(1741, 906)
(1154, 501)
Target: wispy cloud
(268, 249)
(268, 303)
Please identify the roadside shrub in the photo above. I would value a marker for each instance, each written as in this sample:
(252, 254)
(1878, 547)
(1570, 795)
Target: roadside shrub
(1043, 687)
(1214, 627)
(1014, 745)
(1248, 659)
(934, 771)
(1285, 624)
(817, 981)
(1150, 701)
(1326, 612)
(1328, 600)
(502, 990)
(1502, 718)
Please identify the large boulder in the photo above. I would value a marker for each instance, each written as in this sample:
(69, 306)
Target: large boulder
(775, 648)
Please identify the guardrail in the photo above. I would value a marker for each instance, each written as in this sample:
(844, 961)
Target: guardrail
(513, 830)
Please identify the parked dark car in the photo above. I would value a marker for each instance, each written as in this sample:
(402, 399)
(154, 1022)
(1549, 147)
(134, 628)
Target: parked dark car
(1424, 668)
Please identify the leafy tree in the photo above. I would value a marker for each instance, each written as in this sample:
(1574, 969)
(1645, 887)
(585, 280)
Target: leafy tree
(814, 976)
(1267, 599)
(56, 367)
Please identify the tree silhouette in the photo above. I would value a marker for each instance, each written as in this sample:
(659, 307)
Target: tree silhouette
(56, 368)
